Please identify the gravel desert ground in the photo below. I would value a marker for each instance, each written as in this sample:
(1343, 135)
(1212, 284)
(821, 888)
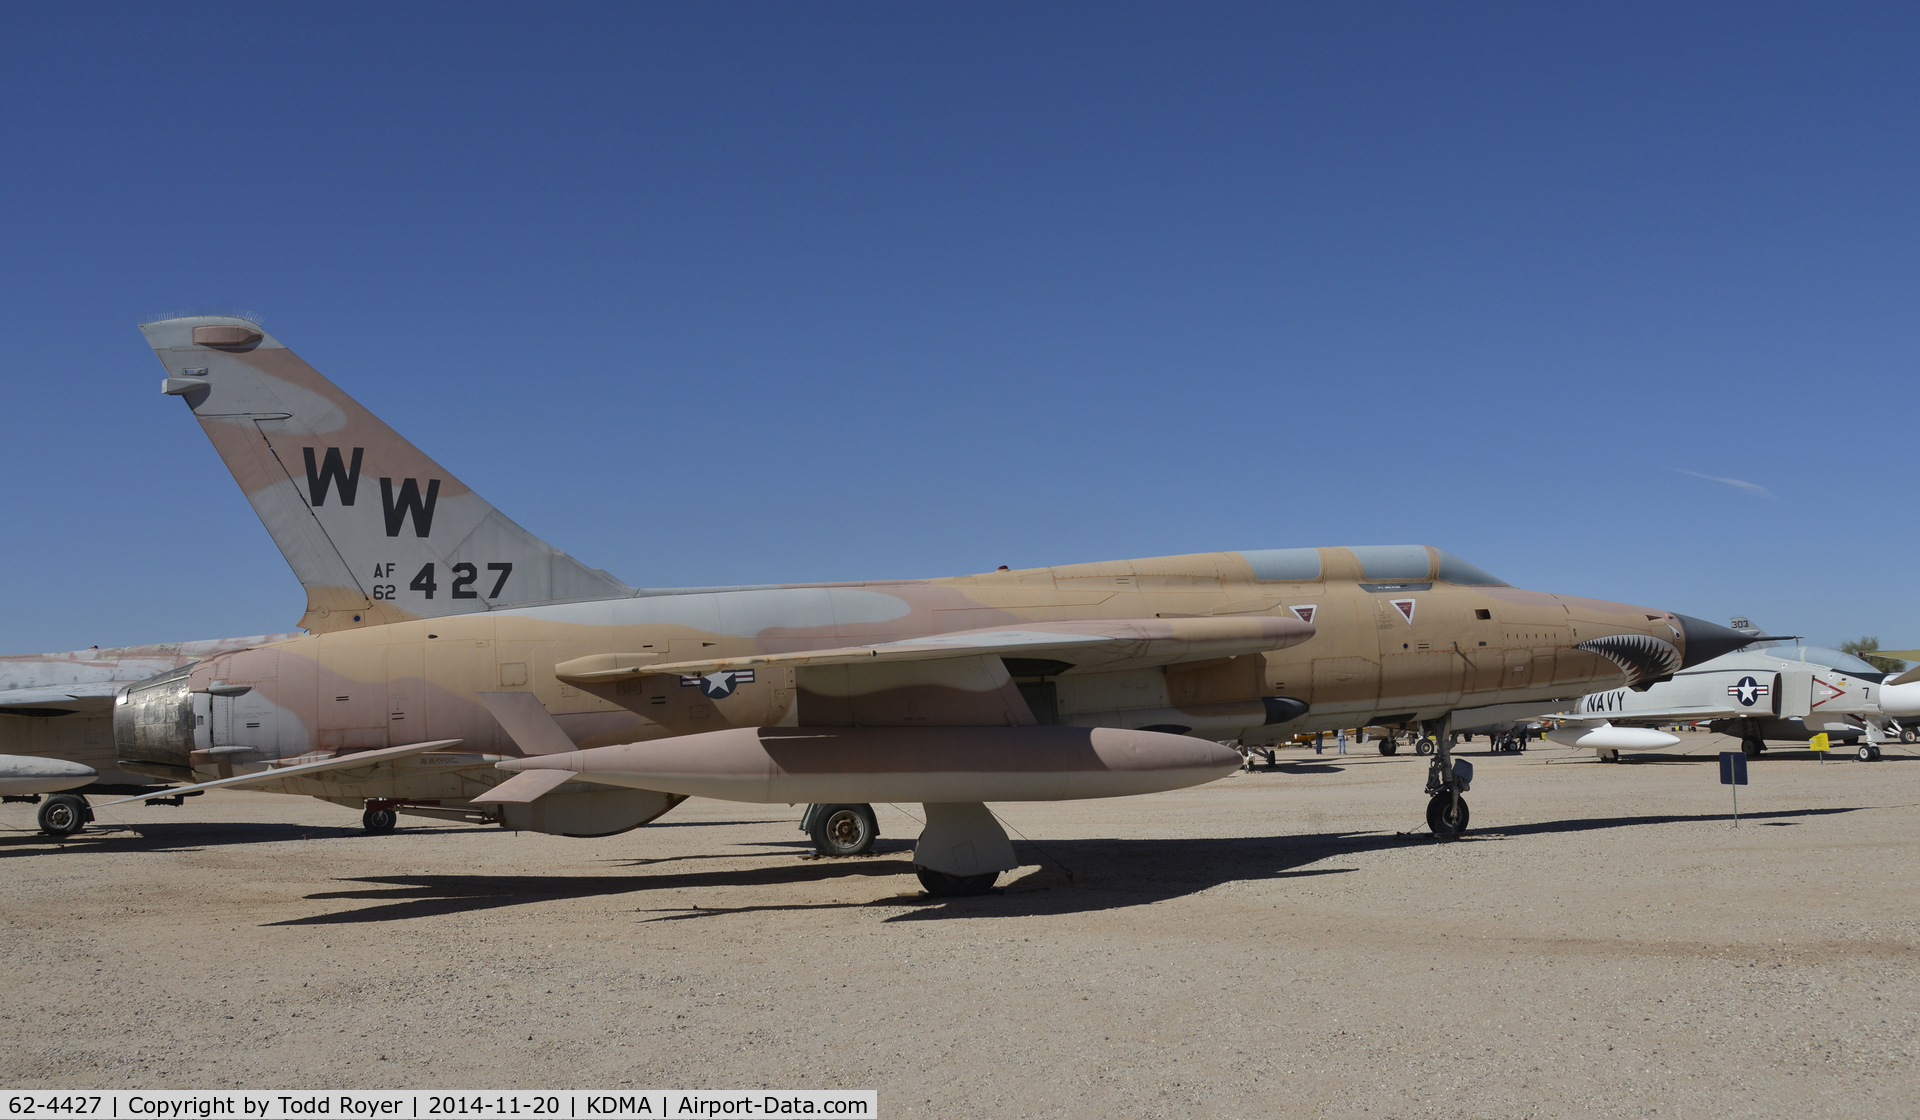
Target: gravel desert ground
(1605, 943)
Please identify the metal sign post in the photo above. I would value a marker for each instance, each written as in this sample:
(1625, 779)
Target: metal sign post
(1733, 772)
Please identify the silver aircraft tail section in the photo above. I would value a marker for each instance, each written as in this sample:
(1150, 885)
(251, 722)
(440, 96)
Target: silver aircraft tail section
(375, 529)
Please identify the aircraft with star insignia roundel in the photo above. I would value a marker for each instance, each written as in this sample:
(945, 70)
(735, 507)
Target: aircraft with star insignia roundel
(458, 667)
(1769, 691)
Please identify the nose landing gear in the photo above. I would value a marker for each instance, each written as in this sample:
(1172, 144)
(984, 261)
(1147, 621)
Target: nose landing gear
(1447, 780)
(1447, 814)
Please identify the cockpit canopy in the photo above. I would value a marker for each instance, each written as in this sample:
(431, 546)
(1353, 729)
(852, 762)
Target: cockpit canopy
(1831, 658)
(1384, 562)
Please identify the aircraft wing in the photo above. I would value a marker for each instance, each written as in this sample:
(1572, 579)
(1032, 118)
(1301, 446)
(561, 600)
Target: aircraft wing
(69, 698)
(274, 774)
(1107, 644)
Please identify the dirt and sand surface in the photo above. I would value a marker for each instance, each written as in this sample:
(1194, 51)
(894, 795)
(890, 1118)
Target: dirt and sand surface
(1605, 943)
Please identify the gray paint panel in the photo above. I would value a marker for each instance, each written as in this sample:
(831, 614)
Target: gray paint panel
(744, 614)
(1285, 563)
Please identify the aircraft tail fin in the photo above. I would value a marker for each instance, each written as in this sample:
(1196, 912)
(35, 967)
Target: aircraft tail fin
(375, 530)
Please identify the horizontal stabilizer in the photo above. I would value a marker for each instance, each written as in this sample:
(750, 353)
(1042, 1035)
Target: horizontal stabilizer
(337, 762)
(523, 788)
(96, 697)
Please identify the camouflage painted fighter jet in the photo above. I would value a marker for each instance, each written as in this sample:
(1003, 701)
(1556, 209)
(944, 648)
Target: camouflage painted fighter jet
(440, 623)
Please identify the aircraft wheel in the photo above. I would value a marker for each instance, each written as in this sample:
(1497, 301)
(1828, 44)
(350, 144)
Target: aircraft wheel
(1752, 747)
(943, 885)
(844, 830)
(1865, 754)
(1909, 735)
(379, 820)
(1446, 815)
(1607, 756)
(63, 814)
(1876, 754)
(1423, 746)
(1389, 747)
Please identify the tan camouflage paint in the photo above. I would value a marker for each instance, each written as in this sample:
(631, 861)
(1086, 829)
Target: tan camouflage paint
(376, 531)
(414, 681)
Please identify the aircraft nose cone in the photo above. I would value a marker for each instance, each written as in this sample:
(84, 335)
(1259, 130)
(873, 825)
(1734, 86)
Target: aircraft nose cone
(1706, 641)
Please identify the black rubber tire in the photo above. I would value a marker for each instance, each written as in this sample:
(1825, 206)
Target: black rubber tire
(1423, 745)
(1752, 747)
(1443, 818)
(1876, 754)
(844, 830)
(943, 885)
(63, 814)
(379, 820)
(1909, 735)
(1389, 747)
(1864, 754)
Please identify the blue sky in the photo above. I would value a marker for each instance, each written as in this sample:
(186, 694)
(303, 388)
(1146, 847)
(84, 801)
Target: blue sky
(752, 293)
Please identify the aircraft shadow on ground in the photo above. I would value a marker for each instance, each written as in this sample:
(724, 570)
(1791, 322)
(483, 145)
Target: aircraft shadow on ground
(1075, 876)
(186, 836)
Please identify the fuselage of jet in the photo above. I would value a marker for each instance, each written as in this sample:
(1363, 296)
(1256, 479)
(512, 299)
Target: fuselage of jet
(1399, 633)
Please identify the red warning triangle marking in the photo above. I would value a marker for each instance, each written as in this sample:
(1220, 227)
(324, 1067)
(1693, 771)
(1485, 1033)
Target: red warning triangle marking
(1304, 614)
(1837, 691)
(1406, 607)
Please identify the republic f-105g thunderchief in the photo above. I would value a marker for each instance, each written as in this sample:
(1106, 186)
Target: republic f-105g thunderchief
(607, 705)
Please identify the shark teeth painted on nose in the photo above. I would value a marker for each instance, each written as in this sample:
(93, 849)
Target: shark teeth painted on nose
(1640, 656)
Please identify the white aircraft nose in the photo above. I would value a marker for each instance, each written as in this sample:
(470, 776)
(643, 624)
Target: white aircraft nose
(1901, 701)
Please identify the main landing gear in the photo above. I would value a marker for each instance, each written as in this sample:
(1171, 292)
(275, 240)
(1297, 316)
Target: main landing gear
(63, 814)
(1752, 746)
(1447, 781)
(841, 830)
(379, 817)
(962, 850)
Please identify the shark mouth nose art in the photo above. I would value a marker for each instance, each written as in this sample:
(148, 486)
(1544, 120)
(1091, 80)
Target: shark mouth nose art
(1641, 657)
